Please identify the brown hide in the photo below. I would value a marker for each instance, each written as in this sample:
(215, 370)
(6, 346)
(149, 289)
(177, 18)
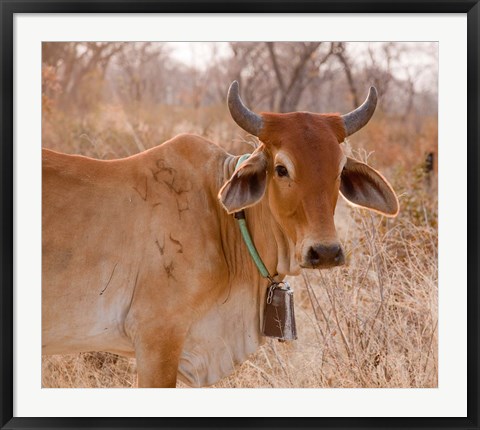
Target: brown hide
(132, 252)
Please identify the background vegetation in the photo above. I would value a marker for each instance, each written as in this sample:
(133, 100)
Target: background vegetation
(371, 323)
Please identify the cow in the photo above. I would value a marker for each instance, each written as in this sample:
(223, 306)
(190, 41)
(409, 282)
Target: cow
(142, 257)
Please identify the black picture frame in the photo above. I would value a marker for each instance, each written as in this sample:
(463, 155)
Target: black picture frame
(9, 8)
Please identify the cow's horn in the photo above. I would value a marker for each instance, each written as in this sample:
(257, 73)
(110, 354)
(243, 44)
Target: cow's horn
(243, 116)
(356, 119)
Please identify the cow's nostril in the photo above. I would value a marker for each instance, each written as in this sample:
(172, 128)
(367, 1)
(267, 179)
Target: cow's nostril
(313, 257)
(339, 257)
(324, 256)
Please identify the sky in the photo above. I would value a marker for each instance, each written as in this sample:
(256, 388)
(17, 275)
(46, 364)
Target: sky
(198, 54)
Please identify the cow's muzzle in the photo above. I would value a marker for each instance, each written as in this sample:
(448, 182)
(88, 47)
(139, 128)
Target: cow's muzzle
(323, 256)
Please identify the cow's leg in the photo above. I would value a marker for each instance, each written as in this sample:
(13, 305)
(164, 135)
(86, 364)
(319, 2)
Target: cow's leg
(158, 353)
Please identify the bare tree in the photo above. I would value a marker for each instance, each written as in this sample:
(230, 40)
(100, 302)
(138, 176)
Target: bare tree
(141, 73)
(274, 74)
(294, 72)
(339, 50)
(76, 62)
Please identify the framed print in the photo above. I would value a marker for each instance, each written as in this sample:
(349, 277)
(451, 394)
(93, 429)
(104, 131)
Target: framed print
(275, 204)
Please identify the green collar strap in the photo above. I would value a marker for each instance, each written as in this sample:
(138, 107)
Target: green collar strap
(242, 223)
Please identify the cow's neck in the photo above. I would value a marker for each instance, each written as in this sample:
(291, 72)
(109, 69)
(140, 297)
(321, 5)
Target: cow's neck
(273, 246)
(230, 331)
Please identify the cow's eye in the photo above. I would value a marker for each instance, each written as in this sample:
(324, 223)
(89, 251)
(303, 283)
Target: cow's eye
(281, 171)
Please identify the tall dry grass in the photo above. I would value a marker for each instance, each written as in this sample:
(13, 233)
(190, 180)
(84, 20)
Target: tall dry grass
(370, 323)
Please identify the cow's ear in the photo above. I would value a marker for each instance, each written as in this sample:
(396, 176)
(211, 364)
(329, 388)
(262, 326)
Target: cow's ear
(247, 184)
(365, 187)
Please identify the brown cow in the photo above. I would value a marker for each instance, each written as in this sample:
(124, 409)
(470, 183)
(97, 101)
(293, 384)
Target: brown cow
(141, 257)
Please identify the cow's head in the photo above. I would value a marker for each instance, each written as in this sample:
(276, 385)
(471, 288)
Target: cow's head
(301, 168)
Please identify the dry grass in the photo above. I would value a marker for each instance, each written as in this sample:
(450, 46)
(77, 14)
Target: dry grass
(371, 323)
(88, 370)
